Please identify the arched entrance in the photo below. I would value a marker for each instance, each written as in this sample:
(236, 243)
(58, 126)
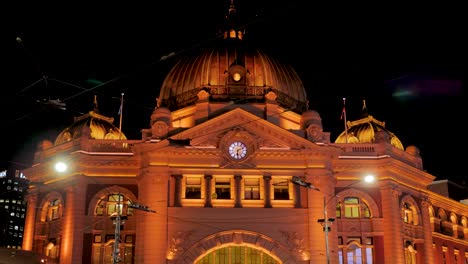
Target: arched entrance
(237, 254)
(237, 246)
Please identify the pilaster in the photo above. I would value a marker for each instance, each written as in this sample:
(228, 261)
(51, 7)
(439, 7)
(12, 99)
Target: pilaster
(30, 222)
(392, 224)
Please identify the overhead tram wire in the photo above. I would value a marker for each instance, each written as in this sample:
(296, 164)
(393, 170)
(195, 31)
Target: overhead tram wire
(163, 58)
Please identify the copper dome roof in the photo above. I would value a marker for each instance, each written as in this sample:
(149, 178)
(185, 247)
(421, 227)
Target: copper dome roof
(232, 70)
(99, 127)
(211, 71)
(366, 130)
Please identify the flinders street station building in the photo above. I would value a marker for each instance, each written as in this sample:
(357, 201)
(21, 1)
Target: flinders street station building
(235, 168)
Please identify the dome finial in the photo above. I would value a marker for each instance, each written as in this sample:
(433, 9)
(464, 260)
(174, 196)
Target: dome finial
(95, 104)
(365, 112)
(232, 29)
(232, 8)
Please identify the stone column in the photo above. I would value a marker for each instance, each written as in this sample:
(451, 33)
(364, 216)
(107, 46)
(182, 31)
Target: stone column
(392, 224)
(71, 248)
(178, 190)
(238, 190)
(30, 222)
(426, 222)
(151, 230)
(267, 194)
(208, 179)
(319, 202)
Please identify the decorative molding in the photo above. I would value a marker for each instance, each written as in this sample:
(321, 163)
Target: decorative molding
(179, 243)
(296, 244)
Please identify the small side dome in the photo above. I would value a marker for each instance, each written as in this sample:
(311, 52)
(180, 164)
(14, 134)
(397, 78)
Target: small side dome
(368, 130)
(91, 125)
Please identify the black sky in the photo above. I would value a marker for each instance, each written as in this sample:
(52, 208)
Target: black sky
(407, 62)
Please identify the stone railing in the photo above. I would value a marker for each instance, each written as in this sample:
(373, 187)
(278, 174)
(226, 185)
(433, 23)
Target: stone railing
(380, 150)
(87, 145)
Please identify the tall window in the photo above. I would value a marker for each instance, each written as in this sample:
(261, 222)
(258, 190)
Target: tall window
(193, 188)
(53, 210)
(410, 254)
(113, 203)
(338, 210)
(252, 189)
(356, 253)
(281, 189)
(223, 188)
(407, 213)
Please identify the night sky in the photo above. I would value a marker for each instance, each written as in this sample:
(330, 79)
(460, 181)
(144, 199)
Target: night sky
(407, 62)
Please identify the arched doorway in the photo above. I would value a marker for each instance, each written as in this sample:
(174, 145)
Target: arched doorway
(237, 254)
(237, 247)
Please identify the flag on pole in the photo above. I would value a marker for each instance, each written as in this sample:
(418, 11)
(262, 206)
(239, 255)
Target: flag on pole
(120, 114)
(343, 116)
(343, 113)
(120, 109)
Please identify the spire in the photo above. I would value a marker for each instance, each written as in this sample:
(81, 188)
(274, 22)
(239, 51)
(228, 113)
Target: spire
(95, 104)
(232, 8)
(365, 112)
(232, 29)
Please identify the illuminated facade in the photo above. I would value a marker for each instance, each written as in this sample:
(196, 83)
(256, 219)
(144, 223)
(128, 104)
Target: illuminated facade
(230, 130)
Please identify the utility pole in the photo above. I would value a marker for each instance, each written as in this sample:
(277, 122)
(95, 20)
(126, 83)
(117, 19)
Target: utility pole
(120, 220)
(326, 227)
(325, 222)
(116, 255)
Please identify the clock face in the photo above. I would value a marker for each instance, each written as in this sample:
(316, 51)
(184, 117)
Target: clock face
(236, 76)
(238, 150)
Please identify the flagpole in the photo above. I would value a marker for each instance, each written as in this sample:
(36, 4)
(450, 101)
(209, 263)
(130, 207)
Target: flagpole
(344, 118)
(120, 113)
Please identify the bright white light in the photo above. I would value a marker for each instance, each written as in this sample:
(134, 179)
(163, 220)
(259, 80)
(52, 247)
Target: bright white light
(369, 178)
(60, 166)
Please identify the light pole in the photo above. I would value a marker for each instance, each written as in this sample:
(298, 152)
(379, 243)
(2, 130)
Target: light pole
(326, 228)
(118, 220)
(325, 222)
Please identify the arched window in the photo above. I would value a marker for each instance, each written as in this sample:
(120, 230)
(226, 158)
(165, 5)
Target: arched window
(410, 213)
(410, 253)
(113, 203)
(53, 210)
(355, 252)
(354, 207)
(407, 214)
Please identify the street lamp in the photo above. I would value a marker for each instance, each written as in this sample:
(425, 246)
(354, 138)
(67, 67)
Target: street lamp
(325, 221)
(117, 218)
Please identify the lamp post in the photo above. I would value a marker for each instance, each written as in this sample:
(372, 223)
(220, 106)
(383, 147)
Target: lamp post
(325, 222)
(118, 220)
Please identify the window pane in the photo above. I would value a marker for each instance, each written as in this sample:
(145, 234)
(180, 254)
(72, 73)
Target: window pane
(369, 257)
(223, 188)
(252, 189)
(193, 188)
(365, 210)
(351, 200)
(193, 181)
(222, 256)
(338, 210)
(281, 189)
